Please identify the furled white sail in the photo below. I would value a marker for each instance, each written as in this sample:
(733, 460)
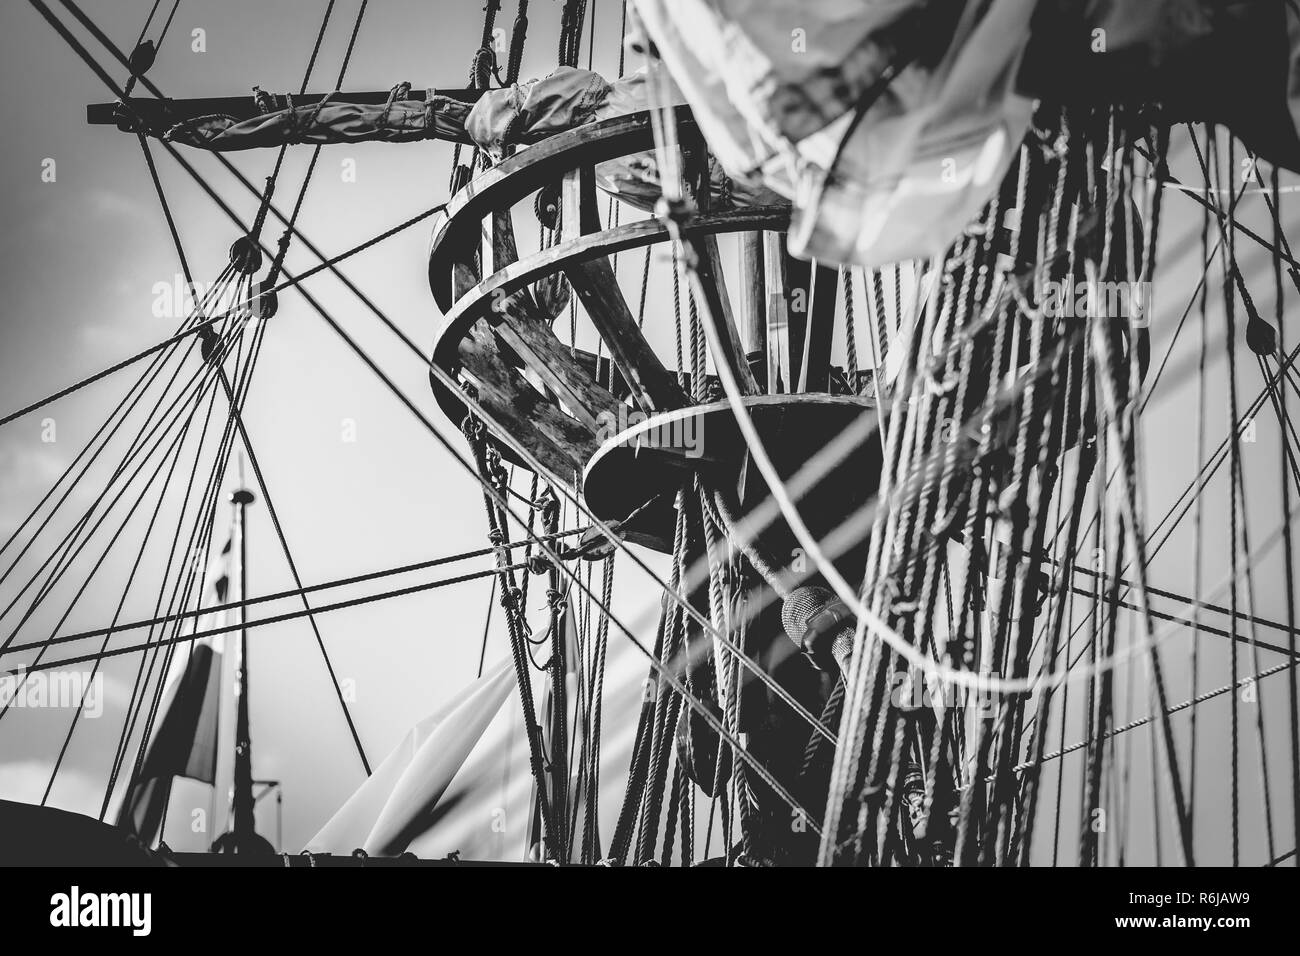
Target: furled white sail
(778, 94)
(398, 801)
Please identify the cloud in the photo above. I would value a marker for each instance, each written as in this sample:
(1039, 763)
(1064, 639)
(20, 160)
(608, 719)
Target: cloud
(25, 781)
(110, 204)
(28, 467)
(29, 462)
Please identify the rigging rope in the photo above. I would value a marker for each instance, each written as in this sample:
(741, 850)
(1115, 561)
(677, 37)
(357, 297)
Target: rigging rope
(435, 370)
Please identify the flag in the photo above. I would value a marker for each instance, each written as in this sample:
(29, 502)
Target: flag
(400, 800)
(184, 742)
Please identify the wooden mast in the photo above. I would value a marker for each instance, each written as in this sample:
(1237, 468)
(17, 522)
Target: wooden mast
(242, 837)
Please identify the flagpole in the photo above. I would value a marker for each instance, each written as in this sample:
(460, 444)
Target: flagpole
(243, 822)
(242, 836)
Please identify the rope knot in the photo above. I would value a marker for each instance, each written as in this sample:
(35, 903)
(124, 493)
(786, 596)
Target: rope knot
(903, 607)
(484, 65)
(263, 100)
(402, 91)
(472, 429)
(547, 504)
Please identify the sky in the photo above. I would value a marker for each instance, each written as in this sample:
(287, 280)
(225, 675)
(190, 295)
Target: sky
(82, 271)
(81, 259)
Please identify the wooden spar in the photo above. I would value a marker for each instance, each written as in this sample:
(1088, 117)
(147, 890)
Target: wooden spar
(158, 114)
(242, 836)
(753, 295)
(243, 824)
(814, 373)
(651, 385)
(707, 281)
(796, 288)
(775, 329)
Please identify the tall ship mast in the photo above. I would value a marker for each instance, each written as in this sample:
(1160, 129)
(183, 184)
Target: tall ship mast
(950, 532)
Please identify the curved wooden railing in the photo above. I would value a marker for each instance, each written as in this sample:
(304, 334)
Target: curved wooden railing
(493, 328)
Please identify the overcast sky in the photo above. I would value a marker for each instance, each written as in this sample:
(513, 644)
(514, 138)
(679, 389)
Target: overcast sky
(81, 263)
(80, 257)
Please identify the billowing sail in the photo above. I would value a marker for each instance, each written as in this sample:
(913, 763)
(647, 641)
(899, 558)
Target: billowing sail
(885, 154)
(401, 798)
(487, 812)
(890, 124)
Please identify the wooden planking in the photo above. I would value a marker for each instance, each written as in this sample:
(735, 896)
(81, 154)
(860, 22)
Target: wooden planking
(652, 387)
(464, 276)
(632, 235)
(527, 171)
(523, 327)
(520, 326)
(527, 332)
(526, 418)
(753, 301)
(753, 292)
(579, 215)
(497, 248)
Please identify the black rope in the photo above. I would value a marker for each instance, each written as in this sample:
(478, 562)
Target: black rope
(406, 401)
(282, 248)
(117, 613)
(439, 373)
(518, 37)
(199, 542)
(282, 595)
(1293, 693)
(38, 662)
(135, 449)
(326, 263)
(247, 443)
(277, 618)
(104, 373)
(135, 701)
(138, 388)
